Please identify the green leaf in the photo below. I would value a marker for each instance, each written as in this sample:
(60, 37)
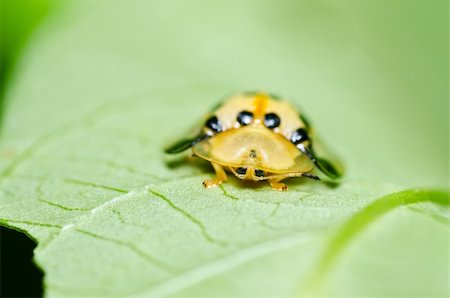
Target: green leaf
(105, 84)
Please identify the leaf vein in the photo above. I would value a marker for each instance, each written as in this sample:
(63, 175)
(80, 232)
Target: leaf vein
(190, 217)
(218, 266)
(227, 194)
(96, 185)
(123, 221)
(31, 223)
(151, 259)
(53, 204)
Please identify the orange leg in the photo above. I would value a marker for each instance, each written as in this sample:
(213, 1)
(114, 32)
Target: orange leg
(277, 185)
(221, 176)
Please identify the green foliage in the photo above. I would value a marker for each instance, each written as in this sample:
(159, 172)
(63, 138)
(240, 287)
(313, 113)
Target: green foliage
(108, 83)
(17, 20)
(16, 27)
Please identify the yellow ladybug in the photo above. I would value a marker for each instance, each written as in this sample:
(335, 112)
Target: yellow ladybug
(257, 136)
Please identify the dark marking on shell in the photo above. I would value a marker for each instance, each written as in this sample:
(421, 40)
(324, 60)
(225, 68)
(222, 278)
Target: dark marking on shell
(271, 120)
(241, 171)
(214, 124)
(259, 173)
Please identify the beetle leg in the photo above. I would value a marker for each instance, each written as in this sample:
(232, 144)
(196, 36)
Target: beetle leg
(277, 185)
(221, 176)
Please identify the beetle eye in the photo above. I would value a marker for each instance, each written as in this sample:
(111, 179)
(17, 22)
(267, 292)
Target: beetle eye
(213, 124)
(259, 173)
(245, 117)
(271, 120)
(299, 136)
(241, 171)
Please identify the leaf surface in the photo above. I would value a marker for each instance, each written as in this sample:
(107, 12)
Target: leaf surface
(95, 101)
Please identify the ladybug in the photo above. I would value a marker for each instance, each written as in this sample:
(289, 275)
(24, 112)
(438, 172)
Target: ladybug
(257, 136)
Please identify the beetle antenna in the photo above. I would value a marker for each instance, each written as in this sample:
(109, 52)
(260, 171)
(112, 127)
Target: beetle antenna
(200, 138)
(185, 144)
(311, 176)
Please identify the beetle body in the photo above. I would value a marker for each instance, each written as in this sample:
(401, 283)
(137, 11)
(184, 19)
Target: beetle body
(256, 137)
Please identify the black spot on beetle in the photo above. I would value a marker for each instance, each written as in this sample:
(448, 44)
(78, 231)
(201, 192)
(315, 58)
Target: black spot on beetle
(245, 117)
(214, 124)
(299, 136)
(271, 120)
(259, 173)
(252, 154)
(241, 171)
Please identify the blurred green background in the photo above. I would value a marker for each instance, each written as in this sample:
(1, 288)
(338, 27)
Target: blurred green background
(372, 76)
